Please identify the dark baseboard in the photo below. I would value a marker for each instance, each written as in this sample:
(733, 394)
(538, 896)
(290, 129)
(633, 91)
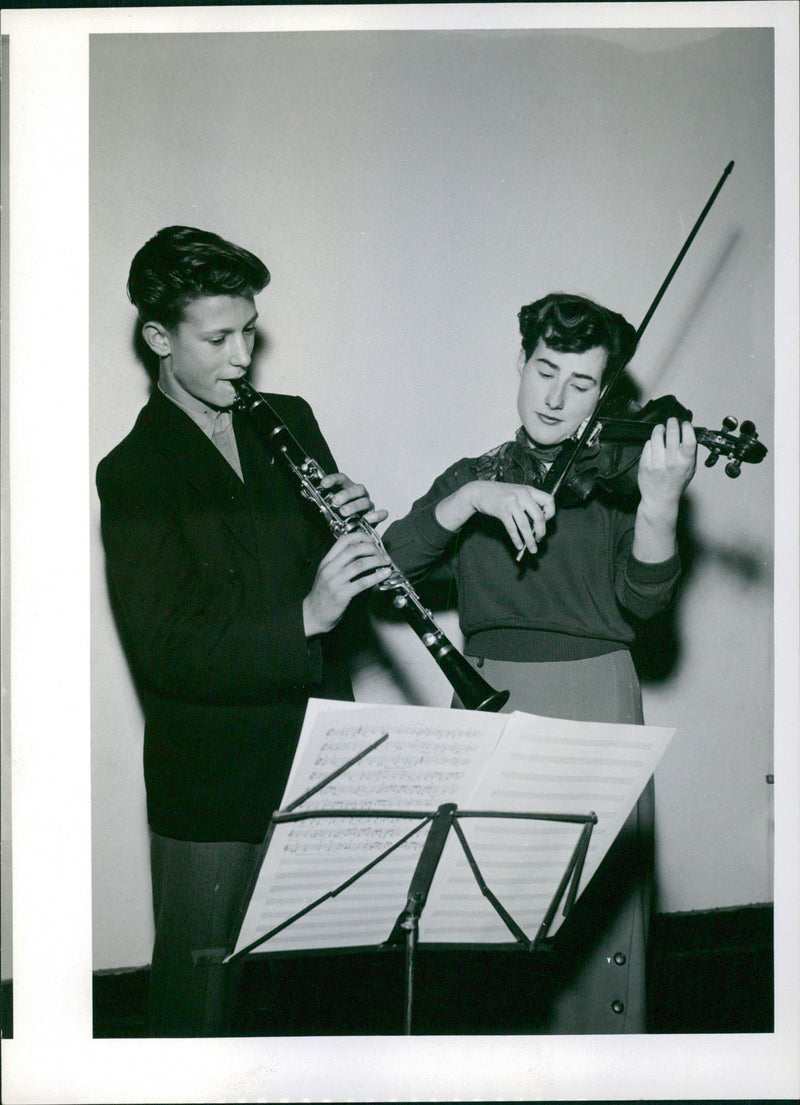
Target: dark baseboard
(708, 972)
(712, 971)
(6, 1010)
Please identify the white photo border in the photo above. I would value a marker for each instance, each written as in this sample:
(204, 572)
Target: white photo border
(52, 1056)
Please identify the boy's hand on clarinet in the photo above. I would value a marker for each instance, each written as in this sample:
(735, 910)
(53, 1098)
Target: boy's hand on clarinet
(354, 564)
(350, 499)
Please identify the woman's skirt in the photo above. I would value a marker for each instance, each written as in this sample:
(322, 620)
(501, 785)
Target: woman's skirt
(593, 977)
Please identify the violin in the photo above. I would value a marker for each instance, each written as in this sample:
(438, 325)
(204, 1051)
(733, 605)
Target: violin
(610, 456)
(607, 451)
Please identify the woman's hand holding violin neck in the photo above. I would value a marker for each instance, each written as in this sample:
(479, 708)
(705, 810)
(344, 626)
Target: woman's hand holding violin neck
(523, 510)
(667, 464)
(666, 467)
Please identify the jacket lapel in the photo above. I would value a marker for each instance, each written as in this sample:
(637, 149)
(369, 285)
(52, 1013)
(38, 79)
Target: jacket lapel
(201, 465)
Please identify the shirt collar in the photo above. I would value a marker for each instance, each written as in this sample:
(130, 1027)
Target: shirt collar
(200, 413)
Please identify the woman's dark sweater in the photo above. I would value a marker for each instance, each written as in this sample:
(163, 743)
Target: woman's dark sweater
(580, 595)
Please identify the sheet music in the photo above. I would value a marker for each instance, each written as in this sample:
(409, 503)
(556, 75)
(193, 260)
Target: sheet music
(490, 762)
(430, 753)
(431, 756)
(542, 765)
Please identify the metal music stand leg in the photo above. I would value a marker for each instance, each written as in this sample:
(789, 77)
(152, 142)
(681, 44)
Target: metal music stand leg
(407, 924)
(445, 818)
(412, 933)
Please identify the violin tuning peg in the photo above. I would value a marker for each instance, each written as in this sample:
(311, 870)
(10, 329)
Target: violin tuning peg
(748, 429)
(729, 422)
(712, 459)
(733, 469)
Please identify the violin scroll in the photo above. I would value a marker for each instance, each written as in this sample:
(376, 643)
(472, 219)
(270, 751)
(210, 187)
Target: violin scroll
(744, 448)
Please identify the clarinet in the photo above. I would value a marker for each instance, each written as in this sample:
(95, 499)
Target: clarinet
(474, 692)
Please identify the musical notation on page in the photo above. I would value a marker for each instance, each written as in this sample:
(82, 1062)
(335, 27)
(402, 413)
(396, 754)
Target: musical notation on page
(340, 881)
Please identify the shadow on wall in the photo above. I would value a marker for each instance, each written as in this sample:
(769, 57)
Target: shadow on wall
(683, 327)
(656, 652)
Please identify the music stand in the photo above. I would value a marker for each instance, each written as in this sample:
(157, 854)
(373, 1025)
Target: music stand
(440, 822)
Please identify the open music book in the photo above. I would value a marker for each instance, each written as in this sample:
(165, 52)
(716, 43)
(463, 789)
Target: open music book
(482, 762)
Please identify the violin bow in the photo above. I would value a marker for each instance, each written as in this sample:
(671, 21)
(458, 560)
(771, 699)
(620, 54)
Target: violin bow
(564, 462)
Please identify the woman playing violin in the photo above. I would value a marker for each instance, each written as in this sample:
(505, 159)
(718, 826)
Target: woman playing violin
(549, 595)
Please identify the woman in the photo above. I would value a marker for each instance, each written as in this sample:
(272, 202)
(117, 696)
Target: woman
(548, 600)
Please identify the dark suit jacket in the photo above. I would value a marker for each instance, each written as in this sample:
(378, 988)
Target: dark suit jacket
(207, 577)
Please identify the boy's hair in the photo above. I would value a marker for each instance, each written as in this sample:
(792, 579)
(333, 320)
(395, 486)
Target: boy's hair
(573, 324)
(181, 264)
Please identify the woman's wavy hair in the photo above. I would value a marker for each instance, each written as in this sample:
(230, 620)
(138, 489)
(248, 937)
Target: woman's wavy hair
(573, 324)
(180, 264)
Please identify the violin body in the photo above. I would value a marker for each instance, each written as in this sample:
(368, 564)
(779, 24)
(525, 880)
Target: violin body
(610, 457)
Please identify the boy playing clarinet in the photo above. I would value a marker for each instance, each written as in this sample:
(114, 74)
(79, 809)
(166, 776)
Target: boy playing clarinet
(227, 589)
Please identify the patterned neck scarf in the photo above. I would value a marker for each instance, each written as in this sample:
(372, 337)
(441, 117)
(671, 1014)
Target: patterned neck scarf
(516, 461)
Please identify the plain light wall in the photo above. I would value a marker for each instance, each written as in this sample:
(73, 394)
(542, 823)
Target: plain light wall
(409, 191)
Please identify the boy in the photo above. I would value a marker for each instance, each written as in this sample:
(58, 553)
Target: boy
(225, 584)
